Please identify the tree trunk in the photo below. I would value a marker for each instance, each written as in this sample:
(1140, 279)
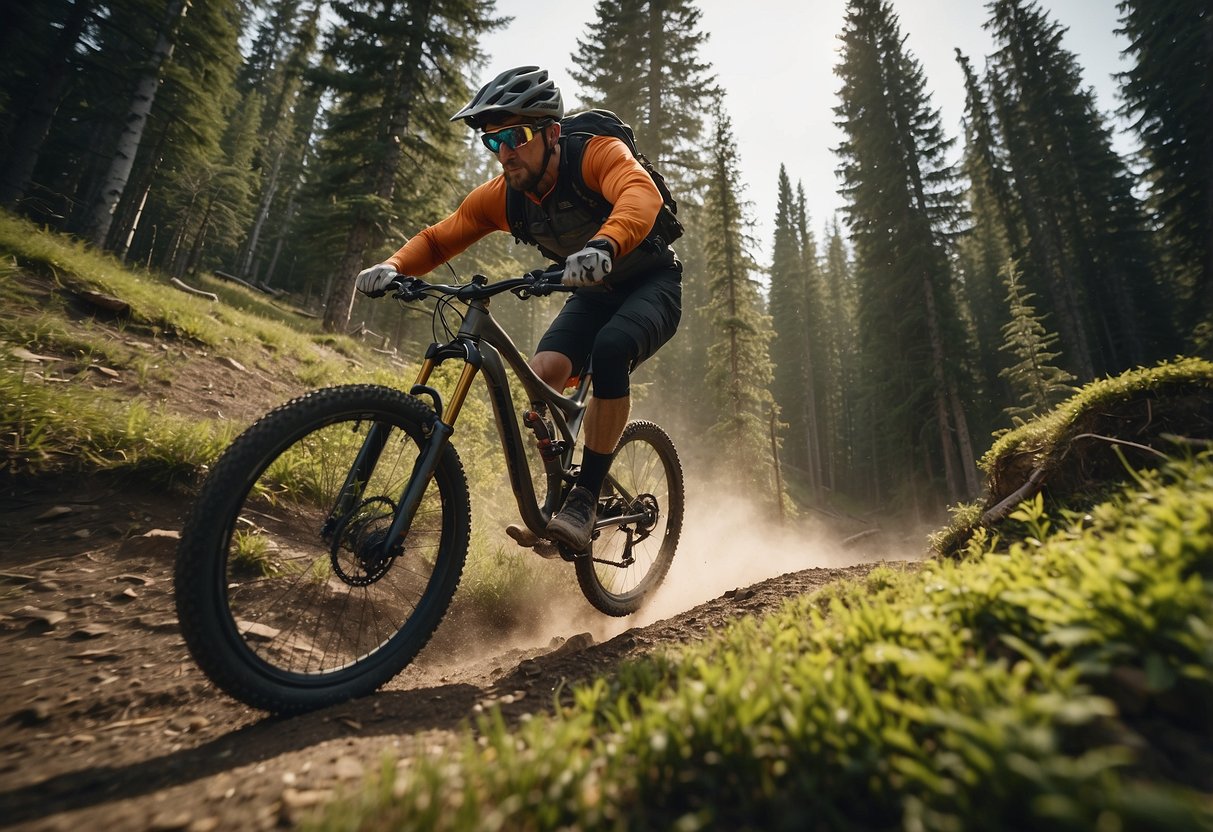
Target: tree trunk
(263, 212)
(968, 461)
(812, 431)
(287, 218)
(775, 463)
(145, 187)
(102, 213)
(195, 253)
(939, 376)
(34, 126)
(656, 83)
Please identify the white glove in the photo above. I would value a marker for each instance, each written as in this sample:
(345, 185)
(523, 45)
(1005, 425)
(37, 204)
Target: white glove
(376, 279)
(589, 266)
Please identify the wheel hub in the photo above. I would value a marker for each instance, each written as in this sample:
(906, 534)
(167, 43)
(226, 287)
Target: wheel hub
(360, 554)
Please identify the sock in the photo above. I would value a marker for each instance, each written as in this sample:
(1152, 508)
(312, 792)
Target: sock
(594, 467)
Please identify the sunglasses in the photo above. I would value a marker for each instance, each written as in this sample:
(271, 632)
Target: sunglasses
(512, 137)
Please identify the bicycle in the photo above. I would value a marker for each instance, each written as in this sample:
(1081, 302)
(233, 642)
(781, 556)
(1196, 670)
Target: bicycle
(327, 542)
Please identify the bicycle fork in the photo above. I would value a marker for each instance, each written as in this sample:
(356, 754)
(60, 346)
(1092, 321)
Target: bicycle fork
(436, 436)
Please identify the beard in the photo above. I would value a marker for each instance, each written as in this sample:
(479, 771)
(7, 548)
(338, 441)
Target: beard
(521, 178)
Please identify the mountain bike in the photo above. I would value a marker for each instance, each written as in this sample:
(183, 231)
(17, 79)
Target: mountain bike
(328, 540)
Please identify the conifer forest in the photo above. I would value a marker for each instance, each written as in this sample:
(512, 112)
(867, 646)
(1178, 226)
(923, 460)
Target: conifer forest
(865, 360)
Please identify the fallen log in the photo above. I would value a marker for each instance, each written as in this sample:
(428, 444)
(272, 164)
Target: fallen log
(185, 287)
(103, 301)
(232, 278)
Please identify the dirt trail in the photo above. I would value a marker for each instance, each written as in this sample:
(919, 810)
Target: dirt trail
(105, 721)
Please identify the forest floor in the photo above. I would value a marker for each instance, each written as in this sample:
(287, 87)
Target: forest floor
(106, 722)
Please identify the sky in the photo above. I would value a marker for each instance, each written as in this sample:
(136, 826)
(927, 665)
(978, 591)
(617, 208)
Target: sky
(775, 60)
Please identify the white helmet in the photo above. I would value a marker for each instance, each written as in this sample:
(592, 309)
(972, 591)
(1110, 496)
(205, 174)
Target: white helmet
(523, 91)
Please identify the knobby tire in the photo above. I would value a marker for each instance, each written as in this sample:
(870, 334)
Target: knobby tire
(282, 617)
(645, 463)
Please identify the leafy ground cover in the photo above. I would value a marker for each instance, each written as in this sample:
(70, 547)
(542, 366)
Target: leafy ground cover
(1062, 684)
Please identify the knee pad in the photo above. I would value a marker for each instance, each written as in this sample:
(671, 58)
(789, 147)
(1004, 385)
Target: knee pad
(611, 360)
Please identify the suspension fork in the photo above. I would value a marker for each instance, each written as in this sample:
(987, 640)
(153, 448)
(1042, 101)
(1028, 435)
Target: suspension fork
(437, 435)
(430, 449)
(356, 480)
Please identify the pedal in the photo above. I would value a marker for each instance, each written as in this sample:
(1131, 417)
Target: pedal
(527, 539)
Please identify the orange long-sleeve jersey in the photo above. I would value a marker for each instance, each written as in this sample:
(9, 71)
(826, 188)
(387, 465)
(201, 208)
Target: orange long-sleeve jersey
(608, 167)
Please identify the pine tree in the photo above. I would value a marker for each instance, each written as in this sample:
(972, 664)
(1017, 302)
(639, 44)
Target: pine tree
(399, 69)
(276, 67)
(985, 246)
(37, 94)
(114, 183)
(902, 203)
(815, 342)
(185, 156)
(1038, 383)
(739, 366)
(789, 311)
(1168, 94)
(227, 202)
(1088, 250)
(839, 304)
(640, 58)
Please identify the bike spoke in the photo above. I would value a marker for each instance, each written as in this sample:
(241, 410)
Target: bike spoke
(306, 613)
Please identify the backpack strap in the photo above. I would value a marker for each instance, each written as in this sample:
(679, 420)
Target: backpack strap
(571, 155)
(666, 227)
(515, 215)
(572, 149)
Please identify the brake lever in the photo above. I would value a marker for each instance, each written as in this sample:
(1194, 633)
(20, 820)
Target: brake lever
(408, 288)
(543, 283)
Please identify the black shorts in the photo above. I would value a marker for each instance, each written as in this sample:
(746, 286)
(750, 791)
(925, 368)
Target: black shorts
(643, 314)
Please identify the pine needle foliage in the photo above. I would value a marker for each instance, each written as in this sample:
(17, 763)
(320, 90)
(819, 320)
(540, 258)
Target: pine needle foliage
(1168, 96)
(397, 73)
(739, 364)
(902, 205)
(641, 59)
(1038, 382)
(1086, 251)
(790, 319)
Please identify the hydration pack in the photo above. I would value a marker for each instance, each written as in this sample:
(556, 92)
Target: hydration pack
(576, 130)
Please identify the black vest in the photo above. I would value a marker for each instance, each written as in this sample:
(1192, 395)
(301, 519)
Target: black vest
(564, 222)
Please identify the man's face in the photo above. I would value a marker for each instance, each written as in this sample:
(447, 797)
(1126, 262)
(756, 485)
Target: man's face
(523, 164)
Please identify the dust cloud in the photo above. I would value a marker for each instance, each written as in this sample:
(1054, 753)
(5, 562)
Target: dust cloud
(726, 544)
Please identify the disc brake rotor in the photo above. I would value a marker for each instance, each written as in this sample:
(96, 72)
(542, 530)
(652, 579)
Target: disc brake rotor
(359, 554)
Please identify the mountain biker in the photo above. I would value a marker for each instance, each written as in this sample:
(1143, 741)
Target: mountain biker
(628, 300)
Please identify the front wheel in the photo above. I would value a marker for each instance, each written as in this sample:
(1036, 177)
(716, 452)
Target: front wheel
(629, 558)
(289, 594)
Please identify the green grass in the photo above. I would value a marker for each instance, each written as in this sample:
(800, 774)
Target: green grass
(1043, 436)
(52, 427)
(68, 425)
(1061, 685)
(245, 324)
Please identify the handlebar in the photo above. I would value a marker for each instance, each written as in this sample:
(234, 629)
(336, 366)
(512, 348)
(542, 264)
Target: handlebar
(537, 282)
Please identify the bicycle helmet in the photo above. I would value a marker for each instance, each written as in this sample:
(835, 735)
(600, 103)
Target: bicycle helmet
(522, 91)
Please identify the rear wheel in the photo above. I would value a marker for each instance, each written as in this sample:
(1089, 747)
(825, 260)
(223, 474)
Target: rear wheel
(629, 559)
(288, 593)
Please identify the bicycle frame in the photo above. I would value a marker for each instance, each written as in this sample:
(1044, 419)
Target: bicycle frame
(482, 345)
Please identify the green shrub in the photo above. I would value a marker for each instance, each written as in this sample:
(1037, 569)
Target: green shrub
(988, 693)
